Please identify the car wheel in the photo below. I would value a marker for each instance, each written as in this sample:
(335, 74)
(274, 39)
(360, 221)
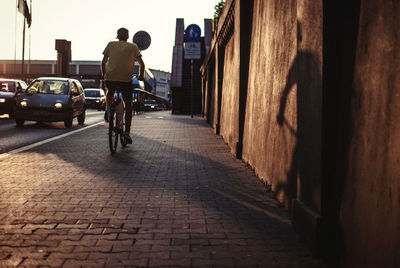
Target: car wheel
(68, 122)
(19, 122)
(81, 118)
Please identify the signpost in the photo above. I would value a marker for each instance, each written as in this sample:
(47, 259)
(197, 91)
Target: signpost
(192, 51)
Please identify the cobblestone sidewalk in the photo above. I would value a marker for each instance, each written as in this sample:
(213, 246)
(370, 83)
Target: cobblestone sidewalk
(176, 197)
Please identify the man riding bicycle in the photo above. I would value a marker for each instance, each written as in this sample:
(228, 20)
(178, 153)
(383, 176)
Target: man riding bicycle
(117, 68)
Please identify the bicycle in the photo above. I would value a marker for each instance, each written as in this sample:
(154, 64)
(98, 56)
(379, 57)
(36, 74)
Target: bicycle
(116, 124)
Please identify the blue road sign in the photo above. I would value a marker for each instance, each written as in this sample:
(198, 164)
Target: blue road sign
(193, 32)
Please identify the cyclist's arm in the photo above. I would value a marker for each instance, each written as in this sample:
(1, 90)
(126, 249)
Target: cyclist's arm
(103, 65)
(141, 67)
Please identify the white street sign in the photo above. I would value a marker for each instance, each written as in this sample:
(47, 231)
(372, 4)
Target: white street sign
(192, 50)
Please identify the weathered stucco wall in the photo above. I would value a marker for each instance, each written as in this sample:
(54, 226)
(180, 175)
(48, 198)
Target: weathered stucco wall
(320, 120)
(229, 105)
(309, 99)
(282, 133)
(267, 146)
(208, 91)
(370, 213)
(216, 95)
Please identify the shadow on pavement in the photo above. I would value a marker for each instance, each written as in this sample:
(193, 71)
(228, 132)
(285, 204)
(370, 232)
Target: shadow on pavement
(177, 176)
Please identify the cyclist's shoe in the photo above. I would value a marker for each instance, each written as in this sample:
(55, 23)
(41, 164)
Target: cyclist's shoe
(128, 138)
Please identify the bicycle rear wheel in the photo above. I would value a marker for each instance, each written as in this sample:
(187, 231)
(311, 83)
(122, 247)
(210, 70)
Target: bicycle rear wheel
(112, 132)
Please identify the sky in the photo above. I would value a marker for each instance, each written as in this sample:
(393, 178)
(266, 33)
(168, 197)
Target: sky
(91, 24)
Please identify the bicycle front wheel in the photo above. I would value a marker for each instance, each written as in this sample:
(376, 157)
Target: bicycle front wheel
(112, 132)
(123, 140)
(122, 136)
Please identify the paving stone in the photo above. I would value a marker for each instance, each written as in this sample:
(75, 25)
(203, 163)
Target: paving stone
(176, 197)
(154, 262)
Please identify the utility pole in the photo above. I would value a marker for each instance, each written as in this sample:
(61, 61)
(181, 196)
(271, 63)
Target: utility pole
(191, 87)
(23, 51)
(192, 51)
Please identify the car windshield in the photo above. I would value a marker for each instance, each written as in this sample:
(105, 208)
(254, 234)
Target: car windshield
(92, 93)
(54, 87)
(7, 86)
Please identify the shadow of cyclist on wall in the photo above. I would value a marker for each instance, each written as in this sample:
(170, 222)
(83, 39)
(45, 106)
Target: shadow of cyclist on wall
(303, 177)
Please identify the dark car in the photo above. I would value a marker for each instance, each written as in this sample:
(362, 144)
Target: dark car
(51, 99)
(8, 89)
(95, 98)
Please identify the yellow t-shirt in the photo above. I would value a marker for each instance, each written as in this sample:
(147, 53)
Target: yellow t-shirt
(121, 61)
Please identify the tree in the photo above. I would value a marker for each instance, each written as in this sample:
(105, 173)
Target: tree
(218, 10)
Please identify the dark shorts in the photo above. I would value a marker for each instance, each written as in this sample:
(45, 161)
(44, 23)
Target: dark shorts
(125, 87)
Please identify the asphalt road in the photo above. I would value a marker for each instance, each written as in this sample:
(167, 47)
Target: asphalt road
(13, 137)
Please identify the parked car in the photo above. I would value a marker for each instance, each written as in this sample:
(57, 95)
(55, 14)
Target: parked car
(95, 98)
(51, 99)
(8, 89)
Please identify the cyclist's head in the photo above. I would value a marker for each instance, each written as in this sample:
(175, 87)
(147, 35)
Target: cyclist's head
(122, 34)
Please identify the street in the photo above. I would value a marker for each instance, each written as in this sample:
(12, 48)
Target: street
(13, 137)
(266, 134)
